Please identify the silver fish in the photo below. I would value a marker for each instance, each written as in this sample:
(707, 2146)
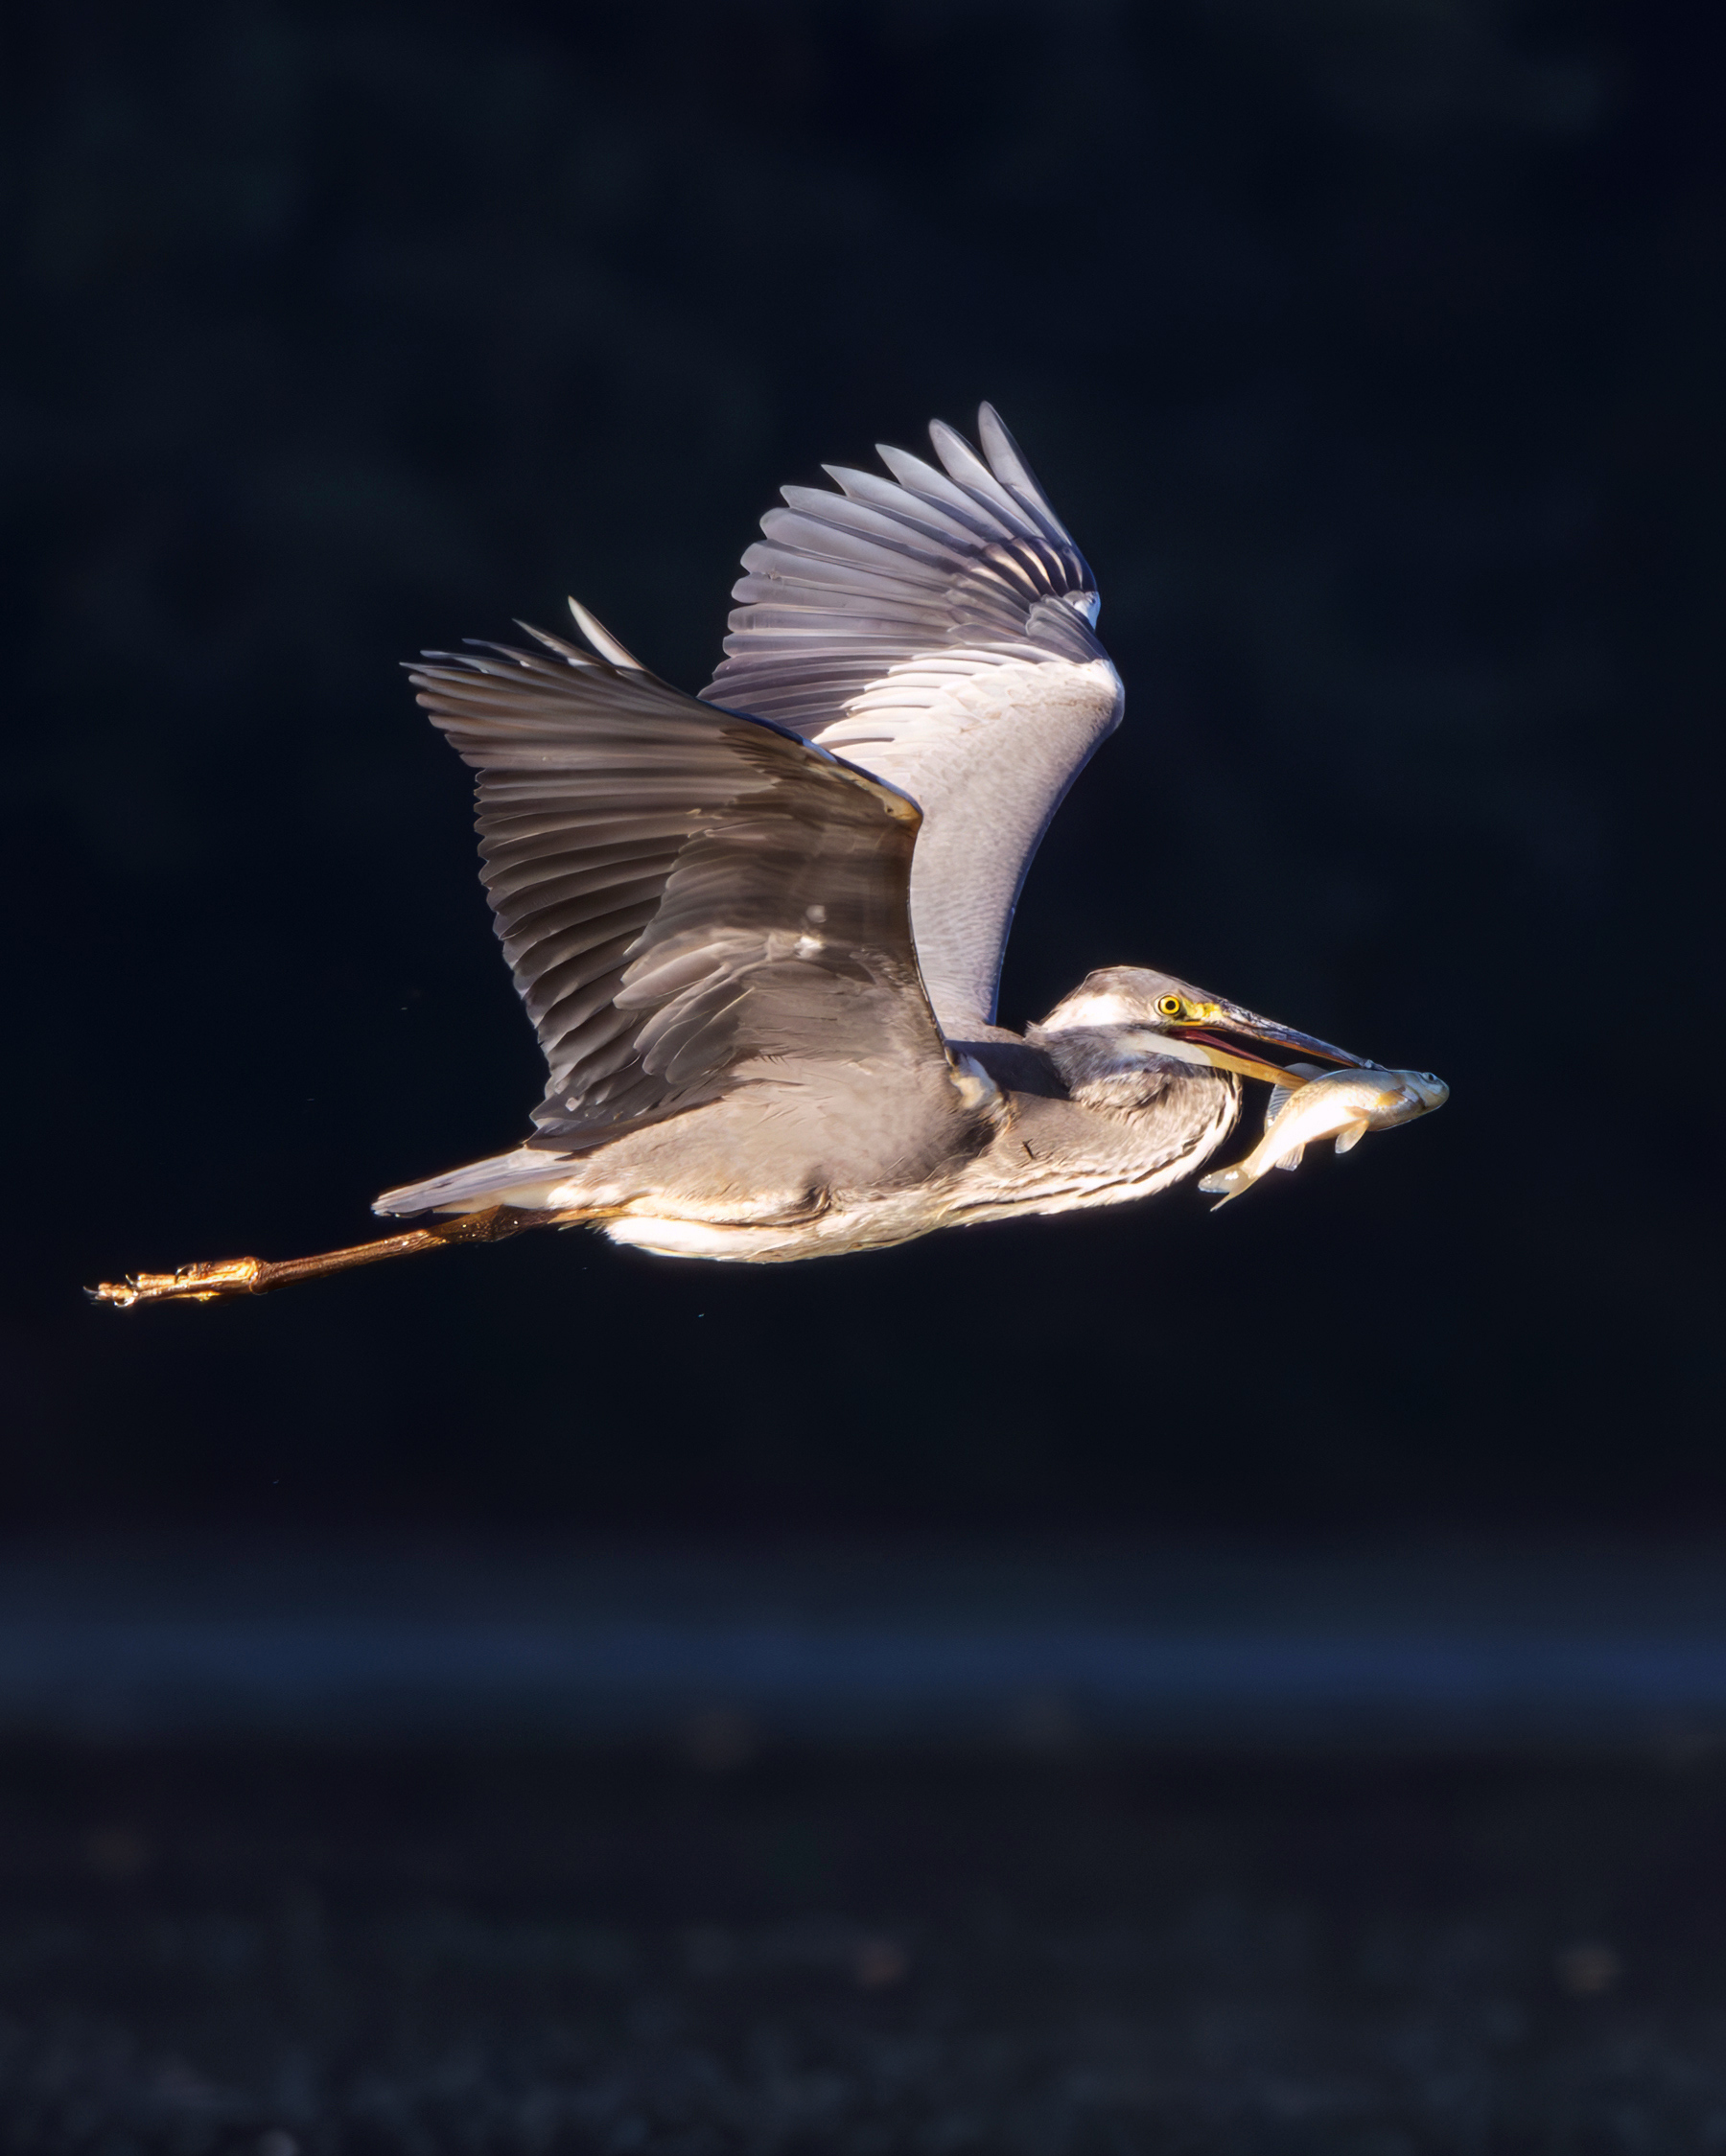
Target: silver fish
(1344, 1104)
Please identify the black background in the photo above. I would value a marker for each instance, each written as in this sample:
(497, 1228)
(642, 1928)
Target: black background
(1371, 353)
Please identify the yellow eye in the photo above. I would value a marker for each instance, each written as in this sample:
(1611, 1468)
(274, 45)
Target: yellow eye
(1171, 1006)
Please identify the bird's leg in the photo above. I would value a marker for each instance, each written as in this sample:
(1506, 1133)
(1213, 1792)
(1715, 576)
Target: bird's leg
(227, 1277)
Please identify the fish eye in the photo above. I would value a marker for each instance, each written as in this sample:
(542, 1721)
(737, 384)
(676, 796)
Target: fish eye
(1171, 1006)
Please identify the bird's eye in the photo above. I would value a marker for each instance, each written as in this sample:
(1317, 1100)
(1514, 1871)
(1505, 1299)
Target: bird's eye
(1169, 1006)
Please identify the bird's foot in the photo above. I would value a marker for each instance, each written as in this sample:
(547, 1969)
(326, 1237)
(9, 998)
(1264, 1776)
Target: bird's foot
(211, 1283)
(225, 1278)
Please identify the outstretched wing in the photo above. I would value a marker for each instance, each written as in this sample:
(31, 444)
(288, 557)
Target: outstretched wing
(678, 889)
(935, 628)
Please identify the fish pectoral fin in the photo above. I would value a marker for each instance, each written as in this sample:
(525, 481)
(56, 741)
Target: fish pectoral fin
(1352, 1136)
(1282, 1095)
(1292, 1159)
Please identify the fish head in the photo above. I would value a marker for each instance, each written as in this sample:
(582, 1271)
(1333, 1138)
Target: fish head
(1427, 1087)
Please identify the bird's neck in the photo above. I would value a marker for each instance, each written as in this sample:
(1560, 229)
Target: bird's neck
(1057, 1155)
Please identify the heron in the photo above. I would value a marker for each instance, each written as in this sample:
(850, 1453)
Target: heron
(759, 930)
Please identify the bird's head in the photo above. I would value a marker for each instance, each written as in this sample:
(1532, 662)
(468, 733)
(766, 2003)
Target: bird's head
(1127, 1019)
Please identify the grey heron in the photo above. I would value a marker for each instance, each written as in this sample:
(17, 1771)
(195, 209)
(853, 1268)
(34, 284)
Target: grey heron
(759, 930)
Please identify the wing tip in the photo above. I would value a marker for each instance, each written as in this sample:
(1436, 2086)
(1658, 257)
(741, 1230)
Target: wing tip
(1006, 461)
(602, 640)
(999, 477)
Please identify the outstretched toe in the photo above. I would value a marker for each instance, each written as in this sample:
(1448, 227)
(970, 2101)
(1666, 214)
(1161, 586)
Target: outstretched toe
(192, 1284)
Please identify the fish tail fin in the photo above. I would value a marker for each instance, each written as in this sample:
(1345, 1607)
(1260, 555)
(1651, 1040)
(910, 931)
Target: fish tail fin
(1230, 1182)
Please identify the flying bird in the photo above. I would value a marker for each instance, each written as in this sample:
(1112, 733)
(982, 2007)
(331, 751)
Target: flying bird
(759, 930)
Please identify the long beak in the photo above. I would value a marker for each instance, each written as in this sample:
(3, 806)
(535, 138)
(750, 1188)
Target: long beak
(1234, 1018)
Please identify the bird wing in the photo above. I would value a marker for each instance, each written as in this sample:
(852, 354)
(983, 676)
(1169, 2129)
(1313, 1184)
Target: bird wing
(935, 628)
(677, 889)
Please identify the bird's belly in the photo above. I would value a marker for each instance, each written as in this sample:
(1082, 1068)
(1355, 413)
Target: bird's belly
(777, 1171)
(870, 1224)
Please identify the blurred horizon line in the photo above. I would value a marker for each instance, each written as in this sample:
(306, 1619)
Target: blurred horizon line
(721, 1648)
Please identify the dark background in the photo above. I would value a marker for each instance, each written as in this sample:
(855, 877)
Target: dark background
(1373, 355)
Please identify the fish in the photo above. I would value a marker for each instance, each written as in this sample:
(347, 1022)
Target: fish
(1344, 1104)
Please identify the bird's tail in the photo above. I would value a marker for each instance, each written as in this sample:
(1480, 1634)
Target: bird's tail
(523, 1178)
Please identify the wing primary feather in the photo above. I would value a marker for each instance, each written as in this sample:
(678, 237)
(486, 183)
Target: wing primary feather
(1008, 462)
(602, 639)
(910, 508)
(572, 654)
(967, 471)
(842, 513)
(921, 479)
